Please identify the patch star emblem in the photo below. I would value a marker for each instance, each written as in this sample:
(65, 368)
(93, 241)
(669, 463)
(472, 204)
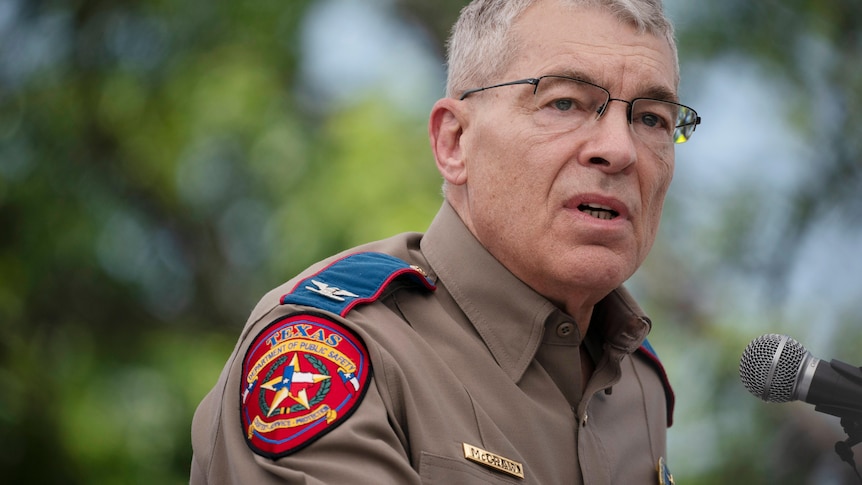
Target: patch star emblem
(293, 384)
(332, 292)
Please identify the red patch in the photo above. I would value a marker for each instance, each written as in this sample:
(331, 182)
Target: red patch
(302, 376)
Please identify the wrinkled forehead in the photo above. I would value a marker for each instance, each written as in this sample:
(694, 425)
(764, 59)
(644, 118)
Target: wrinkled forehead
(549, 38)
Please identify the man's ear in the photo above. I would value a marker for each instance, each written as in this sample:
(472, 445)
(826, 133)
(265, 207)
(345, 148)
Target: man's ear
(445, 129)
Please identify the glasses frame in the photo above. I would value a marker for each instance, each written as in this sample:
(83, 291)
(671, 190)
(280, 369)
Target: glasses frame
(534, 81)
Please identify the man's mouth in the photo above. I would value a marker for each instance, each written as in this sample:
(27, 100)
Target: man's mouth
(599, 211)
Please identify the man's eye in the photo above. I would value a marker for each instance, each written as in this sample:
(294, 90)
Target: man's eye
(653, 121)
(563, 104)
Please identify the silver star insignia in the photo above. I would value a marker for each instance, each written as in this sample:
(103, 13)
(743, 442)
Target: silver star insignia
(331, 292)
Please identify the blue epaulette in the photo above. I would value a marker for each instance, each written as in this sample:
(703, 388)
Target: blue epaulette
(353, 280)
(649, 352)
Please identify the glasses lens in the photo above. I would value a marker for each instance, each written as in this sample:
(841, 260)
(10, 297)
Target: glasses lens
(686, 124)
(662, 122)
(565, 103)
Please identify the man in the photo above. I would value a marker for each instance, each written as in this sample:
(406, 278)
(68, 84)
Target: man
(500, 346)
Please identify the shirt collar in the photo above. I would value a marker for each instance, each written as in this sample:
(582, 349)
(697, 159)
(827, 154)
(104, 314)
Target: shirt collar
(510, 316)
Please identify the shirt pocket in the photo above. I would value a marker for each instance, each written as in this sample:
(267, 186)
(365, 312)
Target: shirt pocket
(441, 470)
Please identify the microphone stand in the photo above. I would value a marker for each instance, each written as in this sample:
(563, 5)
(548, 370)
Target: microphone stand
(853, 428)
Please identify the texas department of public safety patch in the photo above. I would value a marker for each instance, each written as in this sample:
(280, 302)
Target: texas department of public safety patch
(301, 377)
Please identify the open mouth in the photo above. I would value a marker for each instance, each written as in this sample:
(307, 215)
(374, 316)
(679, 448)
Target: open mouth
(599, 211)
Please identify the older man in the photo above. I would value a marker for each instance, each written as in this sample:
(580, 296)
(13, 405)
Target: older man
(499, 346)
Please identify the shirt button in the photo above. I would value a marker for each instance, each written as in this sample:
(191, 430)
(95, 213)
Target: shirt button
(565, 329)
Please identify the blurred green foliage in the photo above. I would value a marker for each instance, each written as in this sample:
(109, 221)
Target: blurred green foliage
(162, 166)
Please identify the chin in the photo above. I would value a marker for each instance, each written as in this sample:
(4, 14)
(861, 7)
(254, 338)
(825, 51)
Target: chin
(599, 267)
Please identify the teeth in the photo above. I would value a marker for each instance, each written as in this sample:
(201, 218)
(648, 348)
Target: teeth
(598, 206)
(598, 211)
(600, 215)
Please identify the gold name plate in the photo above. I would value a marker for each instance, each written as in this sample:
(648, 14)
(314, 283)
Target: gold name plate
(493, 461)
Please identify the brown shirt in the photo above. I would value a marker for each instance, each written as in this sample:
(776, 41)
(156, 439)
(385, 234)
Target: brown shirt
(482, 361)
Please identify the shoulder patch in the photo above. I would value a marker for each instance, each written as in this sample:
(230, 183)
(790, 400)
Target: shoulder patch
(353, 280)
(649, 352)
(302, 376)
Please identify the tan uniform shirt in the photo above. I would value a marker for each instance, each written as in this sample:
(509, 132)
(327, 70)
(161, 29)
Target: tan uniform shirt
(482, 361)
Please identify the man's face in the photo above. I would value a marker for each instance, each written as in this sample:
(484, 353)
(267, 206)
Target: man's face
(527, 186)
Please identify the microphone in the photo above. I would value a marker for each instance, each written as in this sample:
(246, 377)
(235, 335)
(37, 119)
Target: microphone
(777, 368)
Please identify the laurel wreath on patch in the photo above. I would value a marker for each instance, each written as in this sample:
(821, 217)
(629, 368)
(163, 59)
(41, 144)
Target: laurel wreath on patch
(322, 391)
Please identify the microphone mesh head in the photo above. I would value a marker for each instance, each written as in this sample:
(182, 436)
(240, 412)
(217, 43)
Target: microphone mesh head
(760, 359)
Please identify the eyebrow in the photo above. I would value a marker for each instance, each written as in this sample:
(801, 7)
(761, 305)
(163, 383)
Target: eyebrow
(660, 93)
(580, 75)
(646, 91)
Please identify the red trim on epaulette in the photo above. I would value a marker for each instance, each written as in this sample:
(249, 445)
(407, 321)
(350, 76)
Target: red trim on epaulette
(647, 351)
(302, 376)
(355, 279)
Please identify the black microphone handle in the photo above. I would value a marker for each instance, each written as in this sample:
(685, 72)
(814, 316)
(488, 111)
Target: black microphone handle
(835, 388)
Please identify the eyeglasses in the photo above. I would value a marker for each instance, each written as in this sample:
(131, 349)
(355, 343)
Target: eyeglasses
(566, 103)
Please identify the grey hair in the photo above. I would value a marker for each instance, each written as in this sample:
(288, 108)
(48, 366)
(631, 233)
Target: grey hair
(481, 44)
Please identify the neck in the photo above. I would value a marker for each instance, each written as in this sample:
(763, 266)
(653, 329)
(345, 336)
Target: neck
(582, 316)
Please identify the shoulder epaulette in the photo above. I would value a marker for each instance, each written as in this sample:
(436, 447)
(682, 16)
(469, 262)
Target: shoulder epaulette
(649, 352)
(356, 279)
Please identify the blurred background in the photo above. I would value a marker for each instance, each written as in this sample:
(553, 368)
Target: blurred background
(163, 163)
